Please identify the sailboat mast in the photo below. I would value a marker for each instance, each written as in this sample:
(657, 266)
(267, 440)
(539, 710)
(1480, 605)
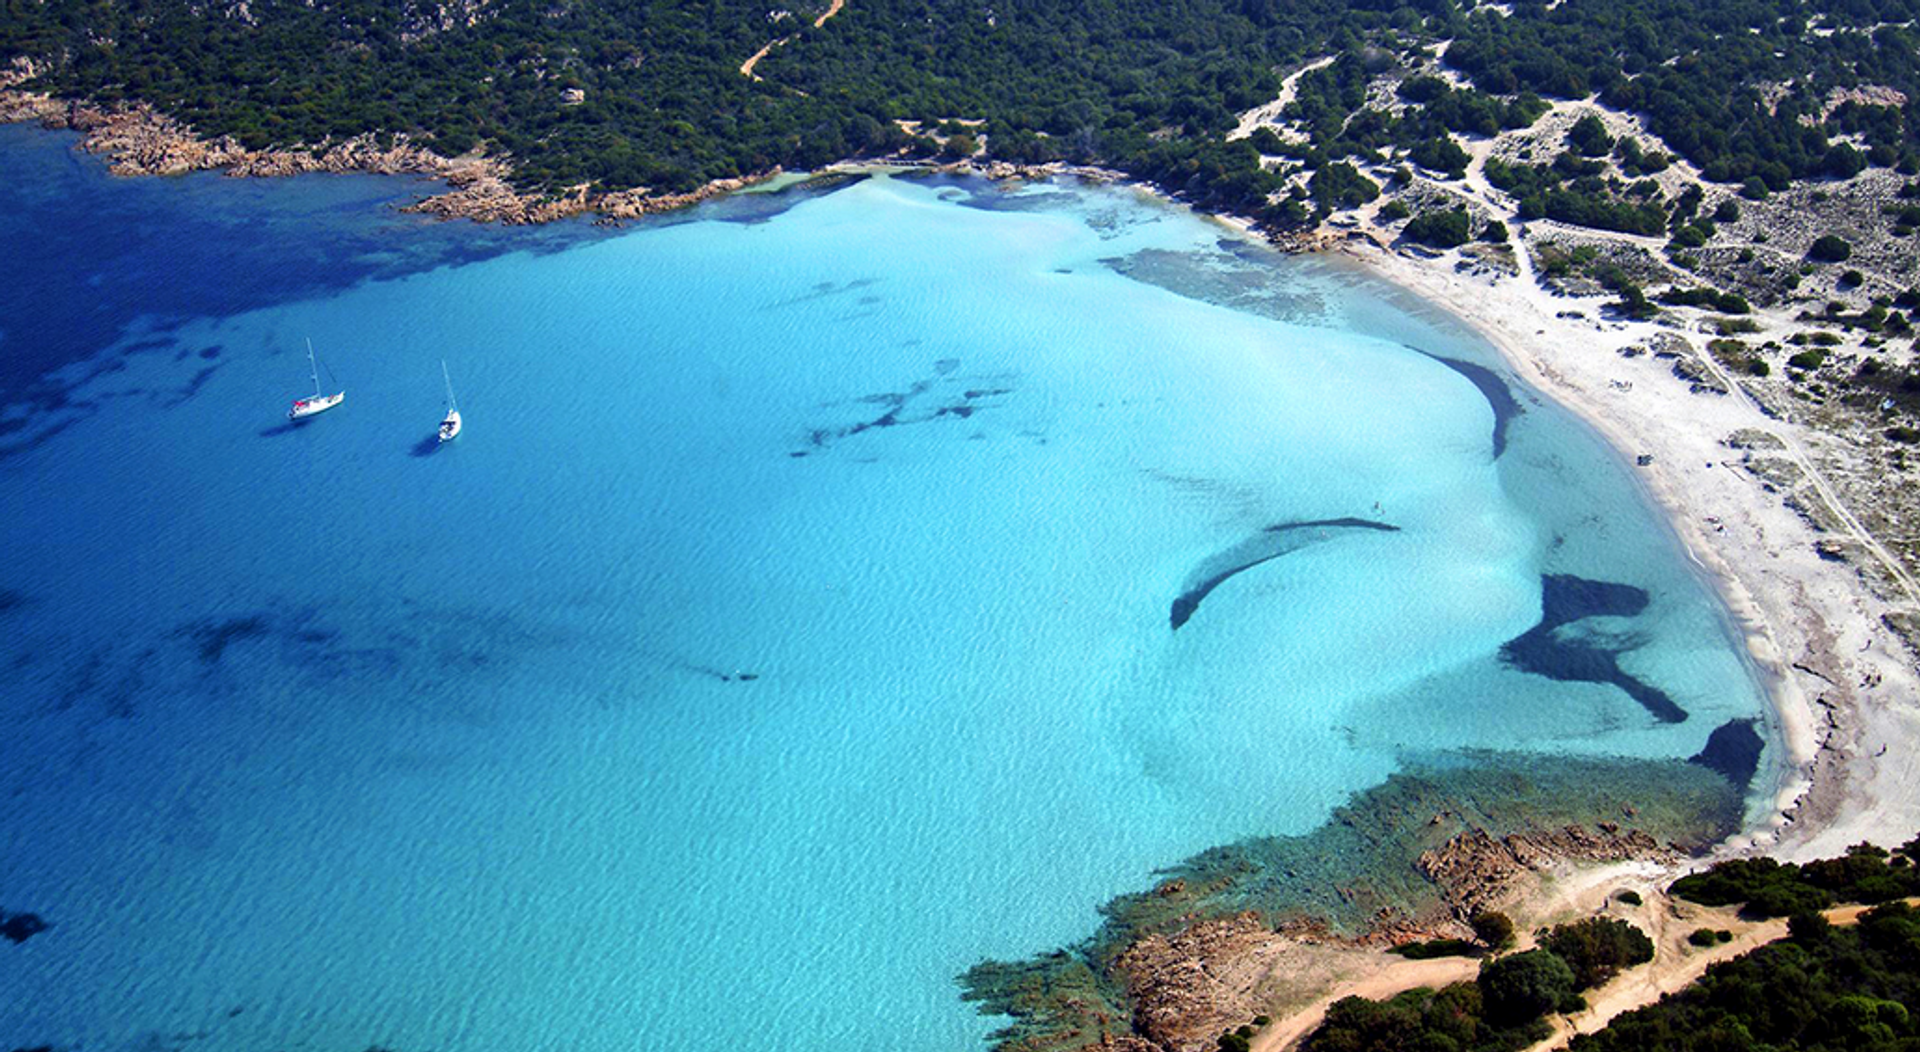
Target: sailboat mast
(448, 377)
(313, 366)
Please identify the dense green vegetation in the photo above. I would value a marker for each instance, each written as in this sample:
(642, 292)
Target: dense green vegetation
(1440, 229)
(1762, 887)
(1502, 1008)
(1826, 988)
(620, 93)
(1598, 948)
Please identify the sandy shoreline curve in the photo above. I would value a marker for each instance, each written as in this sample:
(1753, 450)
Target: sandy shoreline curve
(1844, 689)
(1842, 683)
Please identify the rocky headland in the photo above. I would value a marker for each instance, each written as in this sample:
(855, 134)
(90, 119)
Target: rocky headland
(137, 139)
(1226, 935)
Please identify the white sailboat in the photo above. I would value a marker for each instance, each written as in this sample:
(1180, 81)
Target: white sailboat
(319, 403)
(450, 427)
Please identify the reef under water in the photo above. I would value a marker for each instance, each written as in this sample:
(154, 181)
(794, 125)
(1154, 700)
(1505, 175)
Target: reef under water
(1355, 875)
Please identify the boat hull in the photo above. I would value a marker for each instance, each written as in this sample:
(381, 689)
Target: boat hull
(450, 427)
(307, 407)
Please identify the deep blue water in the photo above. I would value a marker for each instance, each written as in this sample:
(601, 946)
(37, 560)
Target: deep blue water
(814, 606)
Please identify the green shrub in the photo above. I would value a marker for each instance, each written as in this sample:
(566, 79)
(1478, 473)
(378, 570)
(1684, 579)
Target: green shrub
(1493, 928)
(1703, 937)
(1422, 951)
(1630, 897)
(1829, 249)
(1809, 359)
(1340, 185)
(1589, 136)
(1449, 229)
(1393, 211)
(1522, 987)
(1597, 948)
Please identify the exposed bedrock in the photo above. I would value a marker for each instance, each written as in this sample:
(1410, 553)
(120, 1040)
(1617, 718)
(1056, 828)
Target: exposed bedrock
(1409, 858)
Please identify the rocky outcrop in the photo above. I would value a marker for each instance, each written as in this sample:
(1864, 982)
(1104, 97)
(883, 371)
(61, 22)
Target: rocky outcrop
(136, 139)
(488, 198)
(1180, 996)
(1476, 871)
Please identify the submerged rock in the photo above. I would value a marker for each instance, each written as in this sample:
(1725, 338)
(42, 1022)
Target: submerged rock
(19, 927)
(1411, 857)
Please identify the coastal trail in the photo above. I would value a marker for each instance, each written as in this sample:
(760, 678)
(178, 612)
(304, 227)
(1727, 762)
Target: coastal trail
(746, 68)
(1667, 921)
(1798, 454)
(1676, 965)
(1395, 975)
(1267, 113)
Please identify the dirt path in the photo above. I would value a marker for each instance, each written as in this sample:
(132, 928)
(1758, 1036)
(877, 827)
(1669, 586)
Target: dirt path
(1793, 449)
(1396, 974)
(1667, 921)
(1266, 113)
(746, 68)
(1677, 964)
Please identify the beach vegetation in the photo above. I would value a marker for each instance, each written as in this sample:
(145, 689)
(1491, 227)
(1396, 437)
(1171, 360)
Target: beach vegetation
(1702, 937)
(1589, 136)
(1340, 185)
(1522, 987)
(1440, 155)
(1829, 248)
(621, 95)
(1708, 298)
(1393, 211)
(1823, 988)
(1763, 887)
(1422, 951)
(1597, 948)
(1629, 896)
(1493, 928)
(1632, 304)
(1440, 229)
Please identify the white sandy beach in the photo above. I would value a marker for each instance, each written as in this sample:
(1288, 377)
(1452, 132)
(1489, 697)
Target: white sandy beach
(1845, 688)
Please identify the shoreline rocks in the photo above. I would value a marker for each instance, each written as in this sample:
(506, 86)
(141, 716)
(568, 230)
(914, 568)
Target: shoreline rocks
(137, 140)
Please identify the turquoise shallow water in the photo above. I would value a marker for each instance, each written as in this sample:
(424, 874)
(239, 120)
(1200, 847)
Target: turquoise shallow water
(788, 631)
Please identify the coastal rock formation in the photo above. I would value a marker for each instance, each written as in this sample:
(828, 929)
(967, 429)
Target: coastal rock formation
(137, 139)
(1218, 938)
(1179, 983)
(1476, 871)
